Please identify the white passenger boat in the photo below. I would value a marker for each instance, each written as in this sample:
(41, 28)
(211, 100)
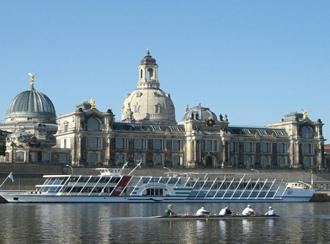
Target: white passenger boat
(110, 186)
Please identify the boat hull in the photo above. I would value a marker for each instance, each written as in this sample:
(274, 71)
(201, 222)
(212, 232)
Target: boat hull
(40, 198)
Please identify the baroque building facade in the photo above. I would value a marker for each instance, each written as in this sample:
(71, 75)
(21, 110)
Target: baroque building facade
(148, 133)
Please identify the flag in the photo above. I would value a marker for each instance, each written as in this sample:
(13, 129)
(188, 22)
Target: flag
(11, 177)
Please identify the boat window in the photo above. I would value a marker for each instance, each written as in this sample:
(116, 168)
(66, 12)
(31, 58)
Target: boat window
(104, 179)
(87, 189)
(83, 179)
(190, 183)
(76, 189)
(67, 189)
(153, 192)
(73, 179)
(229, 193)
(94, 179)
(53, 189)
(173, 180)
(198, 185)
(154, 179)
(164, 180)
(207, 185)
(145, 180)
(220, 193)
(237, 193)
(114, 179)
(97, 189)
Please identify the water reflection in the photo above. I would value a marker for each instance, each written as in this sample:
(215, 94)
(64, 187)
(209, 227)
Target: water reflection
(106, 223)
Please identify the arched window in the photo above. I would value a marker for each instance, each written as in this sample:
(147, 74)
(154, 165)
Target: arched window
(93, 125)
(307, 132)
(150, 73)
(141, 73)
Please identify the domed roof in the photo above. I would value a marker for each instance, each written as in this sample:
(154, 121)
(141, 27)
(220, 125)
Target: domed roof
(149, 105)
(199, 113)
(148, 59)
(32, 104)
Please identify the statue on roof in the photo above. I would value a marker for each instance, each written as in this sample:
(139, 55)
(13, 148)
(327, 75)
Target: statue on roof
(92, 102)
(305, 114)
(32, 76)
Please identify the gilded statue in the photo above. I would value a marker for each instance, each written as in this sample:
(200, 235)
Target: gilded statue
(32, 76)
(305, 114)
(92, 102)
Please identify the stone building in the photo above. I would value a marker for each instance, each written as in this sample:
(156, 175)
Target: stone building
(148, 132)
(31, 125)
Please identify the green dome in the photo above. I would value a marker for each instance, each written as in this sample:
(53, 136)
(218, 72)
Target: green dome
(31, 103)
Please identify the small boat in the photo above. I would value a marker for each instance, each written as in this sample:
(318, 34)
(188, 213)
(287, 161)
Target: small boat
(195, 217)
(111, 186)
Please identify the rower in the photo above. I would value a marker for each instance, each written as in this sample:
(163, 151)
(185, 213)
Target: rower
(248, 211)
(225, 211)
(168, 211)
(202, 211)
(270, 212)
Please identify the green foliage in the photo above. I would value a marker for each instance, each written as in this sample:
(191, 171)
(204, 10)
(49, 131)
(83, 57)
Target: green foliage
(267, 166)
(118, 163)
(158, 164)
(284, 166)
(176, 165)
(98, 163)
(250, 165)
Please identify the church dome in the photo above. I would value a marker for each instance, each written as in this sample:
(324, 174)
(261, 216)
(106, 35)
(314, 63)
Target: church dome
(199, 113)
(149, 105)
(31, 106)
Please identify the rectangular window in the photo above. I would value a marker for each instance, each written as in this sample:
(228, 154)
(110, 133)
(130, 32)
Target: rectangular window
(62, 158)
(158, 144)
(281, 160)
(176, 160)
(120, 143)
(232, 160)
(120, 158)
(45, 157)
(264, 160)
(247, 146)
(265, 147)
(247, 160)
(215, 145)
(308, 162)
(92, 157)
(232, 147)
(158, 159)
(281, 148)
(208, 146)
(138, 157)
(307, 148)
(19, 156)
(138, 142)
(176, 145)
(93, 142)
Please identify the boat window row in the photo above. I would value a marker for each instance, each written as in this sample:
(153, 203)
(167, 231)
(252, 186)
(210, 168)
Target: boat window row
(231, 193)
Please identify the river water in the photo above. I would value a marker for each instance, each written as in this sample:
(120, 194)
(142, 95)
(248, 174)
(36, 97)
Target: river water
(127, 223)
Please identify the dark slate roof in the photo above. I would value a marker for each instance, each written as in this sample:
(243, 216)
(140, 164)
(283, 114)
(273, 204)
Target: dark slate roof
(31, 103)
(261, 131)
(202, 112)
(146, 127)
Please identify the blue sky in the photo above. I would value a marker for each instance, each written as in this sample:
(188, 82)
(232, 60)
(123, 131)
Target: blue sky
(253, 60)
